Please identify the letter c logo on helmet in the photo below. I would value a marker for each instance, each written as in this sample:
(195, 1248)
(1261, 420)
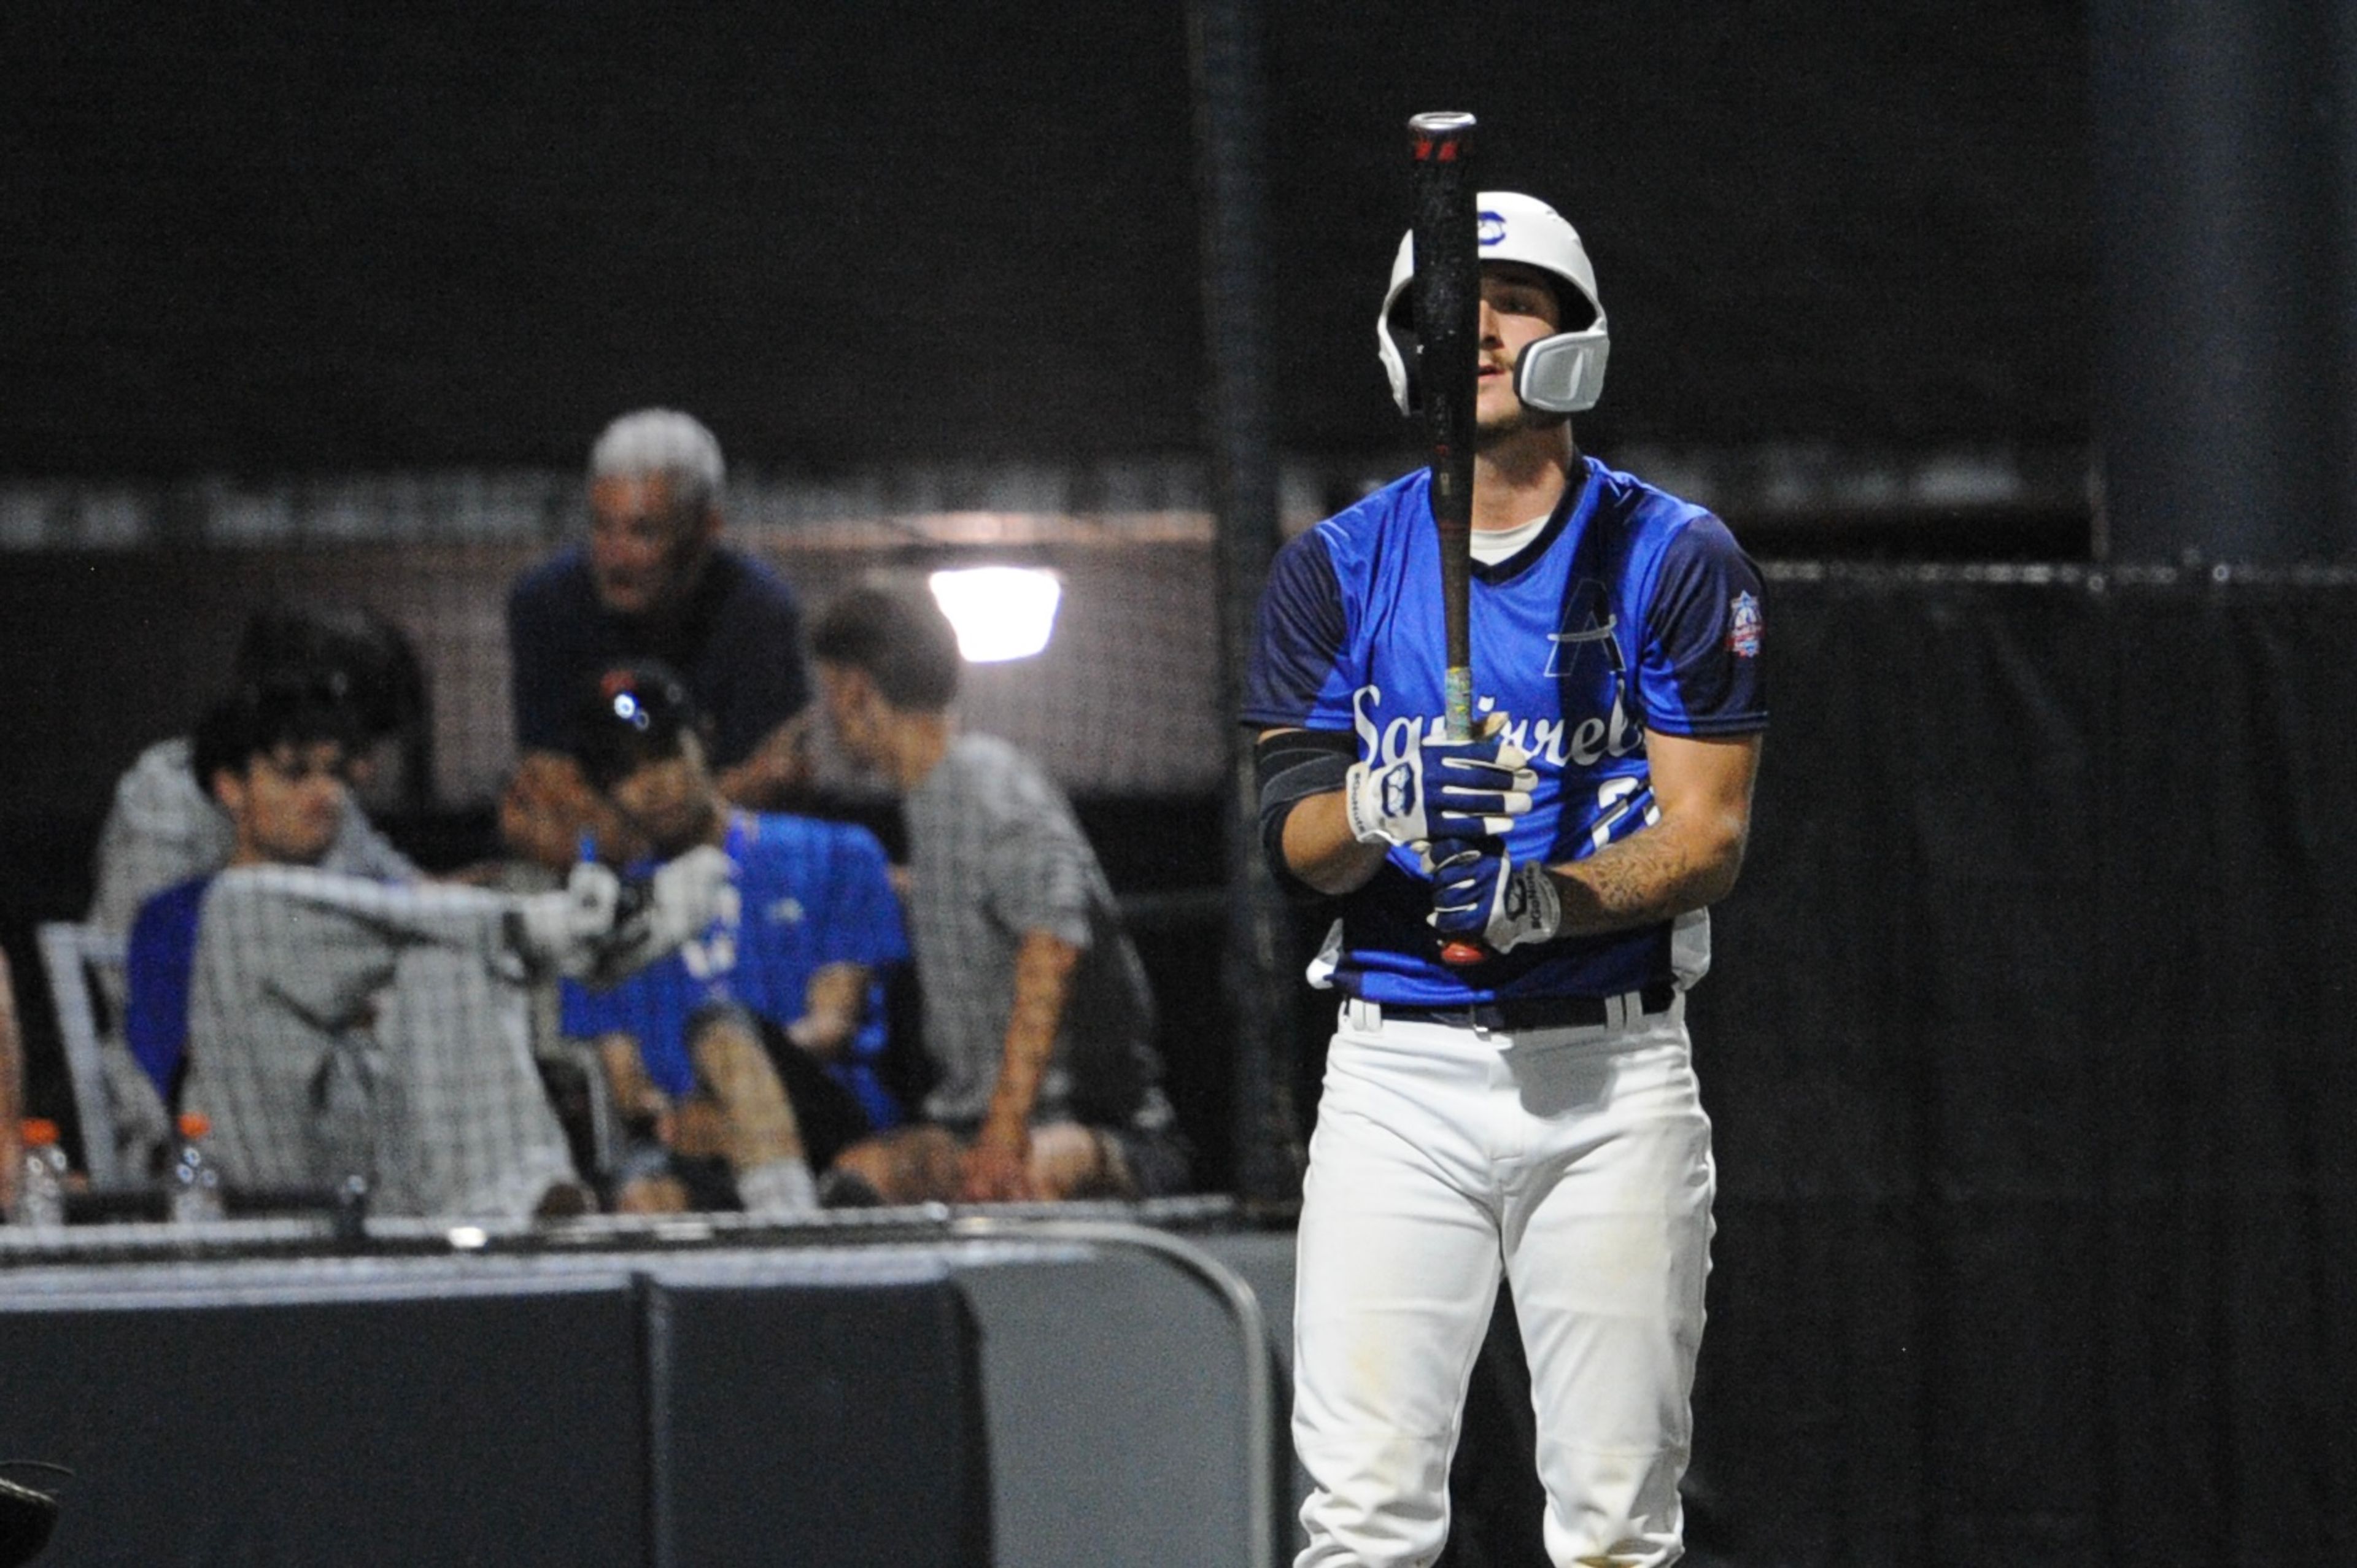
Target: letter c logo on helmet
(1559, 374)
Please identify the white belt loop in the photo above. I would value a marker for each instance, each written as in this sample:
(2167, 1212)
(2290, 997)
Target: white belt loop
(1363, 1016)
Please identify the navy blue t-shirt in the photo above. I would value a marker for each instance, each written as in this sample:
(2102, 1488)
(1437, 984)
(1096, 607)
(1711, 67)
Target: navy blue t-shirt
(737, 642)
(1632, 610)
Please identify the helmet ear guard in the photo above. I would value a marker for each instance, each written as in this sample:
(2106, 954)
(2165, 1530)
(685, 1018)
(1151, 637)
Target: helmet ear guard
(1559, 374)
(1564, 373)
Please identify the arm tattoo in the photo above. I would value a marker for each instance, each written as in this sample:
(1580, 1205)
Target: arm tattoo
(1653, 874)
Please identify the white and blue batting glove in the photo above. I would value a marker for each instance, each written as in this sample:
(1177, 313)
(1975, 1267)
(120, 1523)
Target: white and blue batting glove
(1441, 788)
(1478, 893)
(570, 928)
(675, 905)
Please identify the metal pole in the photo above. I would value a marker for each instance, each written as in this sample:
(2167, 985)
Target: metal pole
(1230, 134)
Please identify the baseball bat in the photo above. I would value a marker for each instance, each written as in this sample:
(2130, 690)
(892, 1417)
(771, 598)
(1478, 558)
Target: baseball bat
(1447, 285)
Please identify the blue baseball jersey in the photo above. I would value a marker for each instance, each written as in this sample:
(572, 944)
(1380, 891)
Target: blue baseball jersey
(1630, 610)
(809, 894)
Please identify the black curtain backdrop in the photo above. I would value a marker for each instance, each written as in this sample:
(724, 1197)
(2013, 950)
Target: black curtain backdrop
(269, 237)
(2029, 1057)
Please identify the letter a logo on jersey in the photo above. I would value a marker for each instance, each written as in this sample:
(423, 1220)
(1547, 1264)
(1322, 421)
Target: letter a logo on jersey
(1587, 618)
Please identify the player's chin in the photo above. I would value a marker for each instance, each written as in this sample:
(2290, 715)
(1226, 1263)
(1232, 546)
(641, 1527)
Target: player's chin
(1493, 429)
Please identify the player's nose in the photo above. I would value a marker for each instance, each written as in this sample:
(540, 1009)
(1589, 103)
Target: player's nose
(1491, 336)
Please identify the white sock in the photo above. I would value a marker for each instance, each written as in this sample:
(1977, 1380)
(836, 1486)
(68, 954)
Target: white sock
(778, 1189)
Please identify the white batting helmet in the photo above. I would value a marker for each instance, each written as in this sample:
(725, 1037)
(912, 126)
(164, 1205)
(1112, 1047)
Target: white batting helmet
(1561, 375)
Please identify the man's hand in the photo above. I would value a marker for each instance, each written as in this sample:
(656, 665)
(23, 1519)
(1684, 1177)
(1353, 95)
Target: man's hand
(1441, 790)
(835, 1001)
(996, 1167)
(548, 807)
(777, 773)
(1478, 892)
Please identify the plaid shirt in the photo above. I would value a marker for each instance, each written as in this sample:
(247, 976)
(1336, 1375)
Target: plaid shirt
(995, 852)
(340, 1026)
(161, 831)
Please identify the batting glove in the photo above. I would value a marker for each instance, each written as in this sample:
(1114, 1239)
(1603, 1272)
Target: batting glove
(567, 928)
(682, 901)
(1479, 892)
(1441, 788)
(601, 927)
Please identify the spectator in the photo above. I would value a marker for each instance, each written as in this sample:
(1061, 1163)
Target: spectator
(330, 1025)
(1035, 1005)
(271, 758)
(164, 827)
(755, 1046)
(651, 582)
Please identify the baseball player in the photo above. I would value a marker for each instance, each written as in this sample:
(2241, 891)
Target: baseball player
(1533, 1114)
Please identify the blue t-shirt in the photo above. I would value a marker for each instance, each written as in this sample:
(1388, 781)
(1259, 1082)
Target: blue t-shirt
(809, 894)
(159, 967)
(1632, 610)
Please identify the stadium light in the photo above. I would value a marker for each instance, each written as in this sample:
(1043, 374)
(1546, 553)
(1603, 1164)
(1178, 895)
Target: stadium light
(1000, 612)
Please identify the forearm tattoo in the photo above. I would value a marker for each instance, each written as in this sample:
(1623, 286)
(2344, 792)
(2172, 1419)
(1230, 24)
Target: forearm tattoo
(1653, 874)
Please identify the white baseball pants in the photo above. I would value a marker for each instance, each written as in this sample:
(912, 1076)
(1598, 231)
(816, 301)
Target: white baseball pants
(1578, 1163)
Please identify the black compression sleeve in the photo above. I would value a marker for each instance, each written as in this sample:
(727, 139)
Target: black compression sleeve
(1292, 766)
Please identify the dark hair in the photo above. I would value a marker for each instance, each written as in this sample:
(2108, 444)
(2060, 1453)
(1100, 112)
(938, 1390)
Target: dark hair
(902, 640)
(256, 720)
(631, 715)
(350, 650)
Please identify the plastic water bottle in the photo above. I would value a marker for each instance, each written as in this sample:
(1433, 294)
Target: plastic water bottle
(41, 1186)
(196, 1181)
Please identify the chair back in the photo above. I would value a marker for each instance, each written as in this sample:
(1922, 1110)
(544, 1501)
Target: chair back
(72, 955)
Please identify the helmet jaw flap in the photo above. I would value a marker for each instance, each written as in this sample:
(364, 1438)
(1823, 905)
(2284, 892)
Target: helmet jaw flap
(1559, 374)
(1564, 373)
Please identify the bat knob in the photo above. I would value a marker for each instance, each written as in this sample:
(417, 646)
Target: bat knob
(1459, 954)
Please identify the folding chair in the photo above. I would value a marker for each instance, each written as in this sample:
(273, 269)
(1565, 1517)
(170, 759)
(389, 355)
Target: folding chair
(71, 954)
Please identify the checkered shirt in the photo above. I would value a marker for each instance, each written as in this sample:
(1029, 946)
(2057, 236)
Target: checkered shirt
(995, 852)
(340, 1026)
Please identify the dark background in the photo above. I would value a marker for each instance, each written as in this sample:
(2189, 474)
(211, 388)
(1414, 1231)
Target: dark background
(265, 237)
(2027, 1047)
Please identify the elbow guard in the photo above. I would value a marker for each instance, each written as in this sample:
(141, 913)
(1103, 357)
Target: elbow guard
(1290, 767)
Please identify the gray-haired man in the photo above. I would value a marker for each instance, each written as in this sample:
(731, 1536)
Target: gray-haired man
(651, 581)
